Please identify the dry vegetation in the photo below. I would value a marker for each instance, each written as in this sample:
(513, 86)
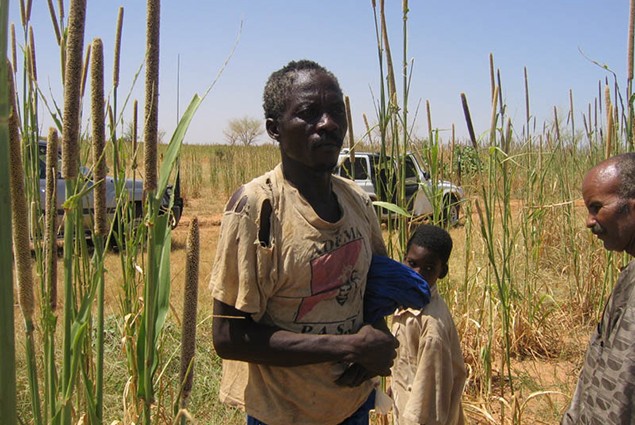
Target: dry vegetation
(527, 281)
(547, 338)
(550, 327)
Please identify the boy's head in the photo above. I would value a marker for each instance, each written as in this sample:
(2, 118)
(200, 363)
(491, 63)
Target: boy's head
(428, 252)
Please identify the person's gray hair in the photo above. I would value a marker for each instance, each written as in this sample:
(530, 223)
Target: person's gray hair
(279, 85)
(625, 165)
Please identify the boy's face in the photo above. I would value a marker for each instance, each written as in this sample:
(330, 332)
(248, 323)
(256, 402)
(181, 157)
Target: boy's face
(426, 263)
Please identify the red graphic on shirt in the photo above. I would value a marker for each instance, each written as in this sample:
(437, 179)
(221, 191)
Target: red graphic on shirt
(331, 277)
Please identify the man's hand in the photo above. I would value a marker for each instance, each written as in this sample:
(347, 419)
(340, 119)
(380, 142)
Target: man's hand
(354, 376)
(377, 350)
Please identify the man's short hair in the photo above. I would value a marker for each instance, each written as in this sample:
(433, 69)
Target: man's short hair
(434, 238)
(625, 164)
(279, 85)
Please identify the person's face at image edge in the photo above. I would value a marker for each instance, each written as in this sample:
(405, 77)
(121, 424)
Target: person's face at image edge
(610, 217)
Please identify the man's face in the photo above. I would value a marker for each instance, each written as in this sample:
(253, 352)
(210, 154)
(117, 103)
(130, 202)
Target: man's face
(426, 263)
(610, 217)
(311, 129)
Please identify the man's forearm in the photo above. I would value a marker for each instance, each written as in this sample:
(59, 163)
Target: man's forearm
(238, 337)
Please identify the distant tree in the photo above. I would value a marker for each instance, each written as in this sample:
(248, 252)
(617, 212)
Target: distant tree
(245, 130)
(128, 132)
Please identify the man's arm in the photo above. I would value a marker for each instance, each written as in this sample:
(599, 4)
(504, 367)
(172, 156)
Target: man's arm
(237, 336)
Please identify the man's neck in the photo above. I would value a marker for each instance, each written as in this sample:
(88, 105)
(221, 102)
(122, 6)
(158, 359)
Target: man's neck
(310, 183)
(315, 187)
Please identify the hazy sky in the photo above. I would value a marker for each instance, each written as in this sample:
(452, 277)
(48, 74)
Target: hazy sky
(449, 43)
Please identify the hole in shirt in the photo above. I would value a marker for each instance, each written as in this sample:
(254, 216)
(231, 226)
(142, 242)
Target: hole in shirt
(264, 231)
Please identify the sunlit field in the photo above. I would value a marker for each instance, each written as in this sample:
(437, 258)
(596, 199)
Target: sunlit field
(99, 327)
(524, 297)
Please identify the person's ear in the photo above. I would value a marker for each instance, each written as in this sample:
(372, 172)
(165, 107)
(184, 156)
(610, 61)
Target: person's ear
(271, 125)
(444, 271)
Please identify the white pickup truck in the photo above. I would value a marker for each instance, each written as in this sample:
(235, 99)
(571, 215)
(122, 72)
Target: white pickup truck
(133, 187)
(418, 185)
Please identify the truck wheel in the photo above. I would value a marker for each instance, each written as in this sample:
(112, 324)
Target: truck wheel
(175, 216)
(451, 211)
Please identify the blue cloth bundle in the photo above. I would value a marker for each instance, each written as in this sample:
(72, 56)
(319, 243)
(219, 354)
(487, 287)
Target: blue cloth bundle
(390, 285)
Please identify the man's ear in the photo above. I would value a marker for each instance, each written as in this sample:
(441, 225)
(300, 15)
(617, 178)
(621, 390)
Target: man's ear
(444, 271)
(271, 125)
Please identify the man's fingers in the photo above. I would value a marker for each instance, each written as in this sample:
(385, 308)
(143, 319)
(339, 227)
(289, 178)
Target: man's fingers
(354, 376)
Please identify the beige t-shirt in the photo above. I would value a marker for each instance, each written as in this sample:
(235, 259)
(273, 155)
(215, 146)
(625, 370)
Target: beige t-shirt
(429, 372)
(310, 279)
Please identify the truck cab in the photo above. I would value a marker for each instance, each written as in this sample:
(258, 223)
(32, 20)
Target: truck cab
(372, 175)
(133, 190)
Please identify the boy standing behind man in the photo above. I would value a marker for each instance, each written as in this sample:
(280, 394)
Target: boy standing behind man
(429, 373)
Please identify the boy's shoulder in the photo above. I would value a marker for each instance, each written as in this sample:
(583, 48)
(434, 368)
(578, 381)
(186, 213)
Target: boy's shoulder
(434, 320)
